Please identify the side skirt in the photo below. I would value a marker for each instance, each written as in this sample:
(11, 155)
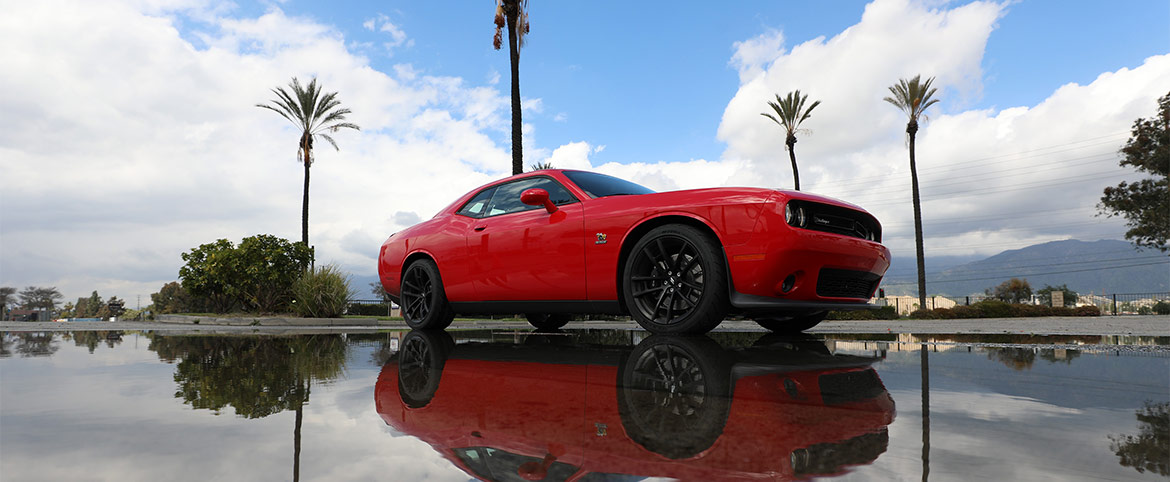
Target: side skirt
(608, 307)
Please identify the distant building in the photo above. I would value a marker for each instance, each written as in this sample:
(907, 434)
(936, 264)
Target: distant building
(909, 304)
(30, 315)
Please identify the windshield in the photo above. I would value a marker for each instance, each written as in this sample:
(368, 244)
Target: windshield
(600, 185)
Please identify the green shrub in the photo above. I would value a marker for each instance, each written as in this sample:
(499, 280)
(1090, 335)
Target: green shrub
(883, 313)
(321, 292)
(1162, 308)
(1086, 311)
(994, 309)
(367, 309)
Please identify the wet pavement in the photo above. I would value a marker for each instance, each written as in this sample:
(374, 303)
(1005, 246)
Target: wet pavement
(586, 404)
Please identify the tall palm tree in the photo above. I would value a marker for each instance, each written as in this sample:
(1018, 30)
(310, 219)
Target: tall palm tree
(315, 113)
(514, 13)
(913, 97)
(790, 112)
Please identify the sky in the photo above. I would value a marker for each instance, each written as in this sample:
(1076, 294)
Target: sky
(130, 134)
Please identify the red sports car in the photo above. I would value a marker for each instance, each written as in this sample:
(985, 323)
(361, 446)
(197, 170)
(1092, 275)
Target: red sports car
(551, 243)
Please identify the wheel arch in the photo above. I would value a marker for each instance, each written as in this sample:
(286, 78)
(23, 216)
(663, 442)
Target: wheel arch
(645, 226)
(415, 256)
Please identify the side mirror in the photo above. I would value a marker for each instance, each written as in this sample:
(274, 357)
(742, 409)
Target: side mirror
(538, 197)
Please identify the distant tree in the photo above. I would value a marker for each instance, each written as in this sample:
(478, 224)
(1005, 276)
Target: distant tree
(1144, 204)
(35, 297)
(1014, 290)
(7, 300)
(1045, 294)
(541, 165)
(790, 113)
(313, 112)
(1147, 450)
(513, 14)
(377, 290)
(172, 298)
(913, 97)
(88, 307)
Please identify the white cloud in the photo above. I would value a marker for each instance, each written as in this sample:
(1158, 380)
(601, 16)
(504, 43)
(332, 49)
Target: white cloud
(752, 55)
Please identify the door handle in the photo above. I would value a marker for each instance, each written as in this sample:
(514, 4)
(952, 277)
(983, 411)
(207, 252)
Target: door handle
(480, 228)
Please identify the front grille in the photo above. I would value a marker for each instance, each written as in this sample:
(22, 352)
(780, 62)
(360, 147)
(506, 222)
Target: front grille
(844, 283)
(838, 220)
(842, 388)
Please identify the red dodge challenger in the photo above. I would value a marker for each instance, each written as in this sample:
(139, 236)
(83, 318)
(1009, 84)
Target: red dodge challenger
(551, 243)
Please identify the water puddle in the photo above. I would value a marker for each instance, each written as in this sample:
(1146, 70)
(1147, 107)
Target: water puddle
(582, 405)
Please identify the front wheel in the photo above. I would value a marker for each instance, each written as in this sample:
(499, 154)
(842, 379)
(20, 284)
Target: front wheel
(424, 302)
(792, 324)
(675, 281)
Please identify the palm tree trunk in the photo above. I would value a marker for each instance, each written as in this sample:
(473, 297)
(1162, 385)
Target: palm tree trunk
(511, 12)
(305, 205)
(917, 224)
(792, 155)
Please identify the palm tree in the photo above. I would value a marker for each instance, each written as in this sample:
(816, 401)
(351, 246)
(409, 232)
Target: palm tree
(790, 112)
(913, 97)
(314, 113)
(541, 166)
(515, 14)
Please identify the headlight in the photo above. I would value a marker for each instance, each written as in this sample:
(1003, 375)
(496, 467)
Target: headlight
(794, 214)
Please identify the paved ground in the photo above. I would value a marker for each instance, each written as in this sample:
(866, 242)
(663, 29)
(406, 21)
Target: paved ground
(1104, 325)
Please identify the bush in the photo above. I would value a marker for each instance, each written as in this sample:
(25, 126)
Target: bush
(322, 292)
(999, 309)
(883, 313)
(256, 275)
(367, 309)
(1162, 308)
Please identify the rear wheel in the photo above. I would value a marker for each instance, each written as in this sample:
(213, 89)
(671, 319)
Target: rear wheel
(546, 322)
(792, 324)
(675, 281)
(424, 302)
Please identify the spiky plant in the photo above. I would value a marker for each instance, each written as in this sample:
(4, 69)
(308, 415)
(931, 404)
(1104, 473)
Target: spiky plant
(790, 113)
(313, 112)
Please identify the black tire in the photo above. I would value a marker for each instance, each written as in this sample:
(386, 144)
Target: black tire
(548, 322)
(424, 302)
(420, 365)
(792, 324)
(675, 281)
(674, 394)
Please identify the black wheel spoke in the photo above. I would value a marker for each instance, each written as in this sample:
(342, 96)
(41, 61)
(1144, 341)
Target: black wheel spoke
(649, 290)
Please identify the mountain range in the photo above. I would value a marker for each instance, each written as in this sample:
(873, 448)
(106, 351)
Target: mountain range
(1105, 266)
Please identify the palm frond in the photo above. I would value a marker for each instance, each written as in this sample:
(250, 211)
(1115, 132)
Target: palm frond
(331, 141)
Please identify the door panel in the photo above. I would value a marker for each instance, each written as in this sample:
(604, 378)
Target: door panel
(530, 255)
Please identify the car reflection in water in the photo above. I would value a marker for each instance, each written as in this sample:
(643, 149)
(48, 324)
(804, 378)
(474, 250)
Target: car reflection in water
(555, 408)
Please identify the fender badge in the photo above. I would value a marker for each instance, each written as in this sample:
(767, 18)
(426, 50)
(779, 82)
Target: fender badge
(600, 238)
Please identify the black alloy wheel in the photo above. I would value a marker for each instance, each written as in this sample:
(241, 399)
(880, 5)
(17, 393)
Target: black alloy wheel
(792, 324)
(424, 303)
(675, 281)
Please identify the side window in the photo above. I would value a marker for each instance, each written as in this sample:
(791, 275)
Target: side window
(477, 206)
(507, 197)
